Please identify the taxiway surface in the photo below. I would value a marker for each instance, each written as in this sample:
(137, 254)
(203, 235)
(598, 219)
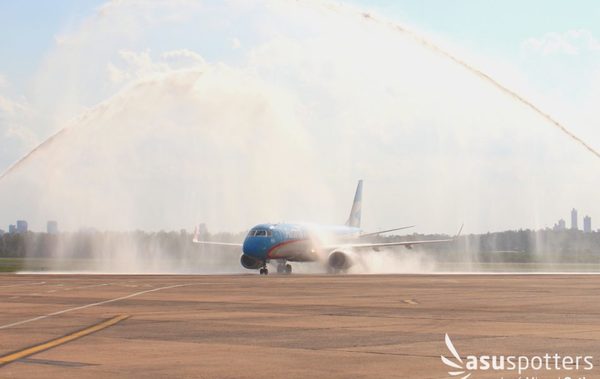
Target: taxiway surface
(247, 326)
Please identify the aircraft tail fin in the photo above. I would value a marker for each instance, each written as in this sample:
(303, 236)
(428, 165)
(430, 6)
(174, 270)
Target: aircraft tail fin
(355, 212)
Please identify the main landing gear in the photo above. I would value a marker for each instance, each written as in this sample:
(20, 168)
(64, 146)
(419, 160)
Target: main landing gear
(283, 268)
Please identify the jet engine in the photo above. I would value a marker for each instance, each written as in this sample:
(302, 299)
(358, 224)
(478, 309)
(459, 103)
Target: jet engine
(250, 263)
(339, 261)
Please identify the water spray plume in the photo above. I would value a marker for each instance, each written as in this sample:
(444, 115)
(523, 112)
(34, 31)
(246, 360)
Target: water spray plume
(433, 47)
(35, 150)
(498, 85)
(368, 17)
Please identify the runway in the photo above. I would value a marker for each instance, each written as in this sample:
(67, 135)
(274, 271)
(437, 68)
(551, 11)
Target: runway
(247, 326)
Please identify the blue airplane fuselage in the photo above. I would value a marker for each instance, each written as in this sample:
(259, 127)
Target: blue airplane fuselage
(293, 242)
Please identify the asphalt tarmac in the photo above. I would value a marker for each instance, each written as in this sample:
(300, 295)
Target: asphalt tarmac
(248, 326)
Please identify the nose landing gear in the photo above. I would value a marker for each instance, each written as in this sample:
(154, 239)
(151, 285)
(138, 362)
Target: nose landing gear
(264, 270)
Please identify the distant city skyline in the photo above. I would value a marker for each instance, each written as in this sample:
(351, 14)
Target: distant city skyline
(587, 222)
(52, 226)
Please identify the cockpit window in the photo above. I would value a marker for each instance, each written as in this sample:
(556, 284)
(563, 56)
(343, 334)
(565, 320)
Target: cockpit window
(260, 233)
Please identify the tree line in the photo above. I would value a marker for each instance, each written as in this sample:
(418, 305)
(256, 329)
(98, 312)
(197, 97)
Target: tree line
(507, 246)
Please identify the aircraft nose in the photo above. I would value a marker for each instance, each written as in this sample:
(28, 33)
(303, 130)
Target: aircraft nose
(250, 247)
(255, 247)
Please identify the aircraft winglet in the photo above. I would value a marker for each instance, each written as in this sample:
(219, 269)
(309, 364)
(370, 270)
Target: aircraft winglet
(459, 231)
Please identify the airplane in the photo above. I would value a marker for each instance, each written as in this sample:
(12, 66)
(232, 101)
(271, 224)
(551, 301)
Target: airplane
(336, 246)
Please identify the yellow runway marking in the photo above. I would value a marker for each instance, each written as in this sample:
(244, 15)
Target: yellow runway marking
(6, 359)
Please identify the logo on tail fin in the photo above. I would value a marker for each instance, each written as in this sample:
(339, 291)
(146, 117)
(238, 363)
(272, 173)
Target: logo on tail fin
(354, 218)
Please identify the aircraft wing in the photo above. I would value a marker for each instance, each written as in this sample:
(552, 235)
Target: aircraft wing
(215, 243)
(407, 244)
(389, 244)
(385, 231)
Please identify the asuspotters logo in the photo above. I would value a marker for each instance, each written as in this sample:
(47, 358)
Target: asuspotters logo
(458, 367)
(572, 366)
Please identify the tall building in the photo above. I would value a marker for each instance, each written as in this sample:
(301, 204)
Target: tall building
(574, 219)
(22, 226)
(560, 225)
(1, 232)
(587, 224)
(12, 229)
(52, 227)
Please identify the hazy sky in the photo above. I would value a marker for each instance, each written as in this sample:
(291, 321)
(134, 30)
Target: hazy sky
(29, 29)
(63, 58)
